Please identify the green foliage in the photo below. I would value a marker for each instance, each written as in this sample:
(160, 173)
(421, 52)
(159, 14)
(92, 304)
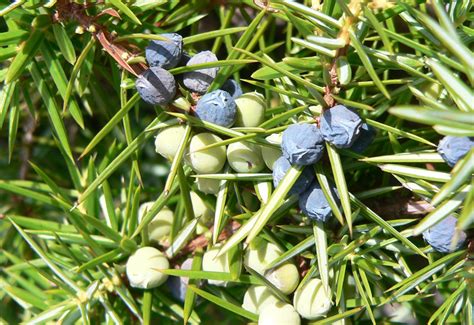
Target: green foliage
(77, 158)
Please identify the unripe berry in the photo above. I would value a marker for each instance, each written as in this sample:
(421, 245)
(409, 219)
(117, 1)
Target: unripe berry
(143, 268)
(202, 211)
(311, 300)
(212, 263)
(271, 154)
(250, 201)
(257, 297)
(279, 313)
(250, 110)
(208, 185)
(260, 254)
(432, 89)
(168, 140)
(160, 225)
(285, 277)
(245, 157)
(200, 208)
(206, 161)
(343, 70)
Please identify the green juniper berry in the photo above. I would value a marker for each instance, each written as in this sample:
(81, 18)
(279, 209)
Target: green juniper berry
(251, 109)
(143, 268)
(103, 197)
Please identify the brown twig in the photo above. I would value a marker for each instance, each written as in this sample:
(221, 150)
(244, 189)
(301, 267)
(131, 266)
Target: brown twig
(71, 11)
(202, 241)
(349, 21)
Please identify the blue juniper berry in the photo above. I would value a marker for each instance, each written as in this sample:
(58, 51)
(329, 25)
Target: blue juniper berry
(199, 80)
(302, 144)
(179, 285)
(233, 88)
(185, 57)
(340, 126)
(165, 54)
(440, 236)
(313, 203)
(217, 107)
(281, 166)
(452, 149)
(156, 86)
(365, 139)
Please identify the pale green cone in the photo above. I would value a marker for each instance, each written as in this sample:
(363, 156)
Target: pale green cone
(142, 268)
(260, 254)
(207, 161)
(257, 297)
(202, 211)
(311, 300)
(168, 139)
(279, 314)
(271, 154)
(285, 277)
(208, 185)
(212, 263)
(160, 225)
(250, 110)
(245, 157)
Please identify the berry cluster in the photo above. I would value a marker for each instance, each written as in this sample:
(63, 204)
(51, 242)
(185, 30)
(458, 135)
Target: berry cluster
(157, 86)
(310, 300)
(300, 144)
(226, 107)
(303, 144)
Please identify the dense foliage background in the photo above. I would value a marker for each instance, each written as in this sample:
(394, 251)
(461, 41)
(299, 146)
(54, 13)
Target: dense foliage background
(77, 155)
